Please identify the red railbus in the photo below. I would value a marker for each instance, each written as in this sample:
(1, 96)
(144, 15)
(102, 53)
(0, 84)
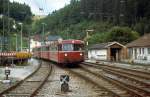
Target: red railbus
(63, 52)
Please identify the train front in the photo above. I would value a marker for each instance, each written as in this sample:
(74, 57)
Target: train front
(71, 51)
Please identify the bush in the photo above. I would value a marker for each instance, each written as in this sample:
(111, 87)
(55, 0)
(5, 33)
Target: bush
(120, 34)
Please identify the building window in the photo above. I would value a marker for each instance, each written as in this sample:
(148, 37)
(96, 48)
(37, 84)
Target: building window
(130, 52)
(140, 50)
(143, 50)
(148, 50)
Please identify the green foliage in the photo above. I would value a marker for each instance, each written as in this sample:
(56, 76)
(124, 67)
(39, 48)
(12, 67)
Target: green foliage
(119, 12)
(18, 13)
(132, 18)
(98, 38)
(120, 34)
(142, 26)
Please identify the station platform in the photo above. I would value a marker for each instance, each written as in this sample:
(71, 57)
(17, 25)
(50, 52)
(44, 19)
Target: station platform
(13, 57)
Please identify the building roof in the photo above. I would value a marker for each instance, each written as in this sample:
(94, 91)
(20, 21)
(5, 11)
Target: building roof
(53, 38)
(37, 37)
(143, 41)
(104, 45)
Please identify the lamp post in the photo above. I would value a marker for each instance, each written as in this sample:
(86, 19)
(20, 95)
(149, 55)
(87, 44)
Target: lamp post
(87, 35)
(43, 24)
(21, 24)
(16, 43)
(1, 17)
(14, 26)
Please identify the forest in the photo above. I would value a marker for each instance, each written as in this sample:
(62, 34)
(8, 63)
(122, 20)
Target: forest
(11, 15)
(111, 20)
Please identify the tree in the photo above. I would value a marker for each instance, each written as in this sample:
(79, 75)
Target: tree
(122, 34)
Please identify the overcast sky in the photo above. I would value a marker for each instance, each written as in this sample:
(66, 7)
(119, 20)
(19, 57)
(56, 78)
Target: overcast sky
(47, 5)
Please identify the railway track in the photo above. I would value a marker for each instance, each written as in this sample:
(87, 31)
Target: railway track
(108, 89)
(30, 86)
(135, 82)
(79, 86)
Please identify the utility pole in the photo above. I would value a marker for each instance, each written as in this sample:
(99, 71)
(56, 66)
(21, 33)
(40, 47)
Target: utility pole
(21, 24)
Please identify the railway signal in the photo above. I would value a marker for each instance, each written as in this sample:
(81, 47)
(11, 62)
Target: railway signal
(64, 83)
(7, 73)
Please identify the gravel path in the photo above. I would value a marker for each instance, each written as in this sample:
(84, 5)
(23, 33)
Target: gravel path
(78, 86)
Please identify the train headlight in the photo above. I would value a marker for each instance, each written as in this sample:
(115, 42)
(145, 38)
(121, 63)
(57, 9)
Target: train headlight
(81, 54)
(66, 55)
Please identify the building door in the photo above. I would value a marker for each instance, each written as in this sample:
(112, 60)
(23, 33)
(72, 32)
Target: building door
(115, 54)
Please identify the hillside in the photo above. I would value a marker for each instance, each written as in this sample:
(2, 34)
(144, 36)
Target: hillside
(10, 28)
(105, 17)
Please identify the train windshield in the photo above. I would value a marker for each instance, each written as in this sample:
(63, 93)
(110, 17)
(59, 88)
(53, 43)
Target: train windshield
(67, 47)
(72, 47)
(78, 47)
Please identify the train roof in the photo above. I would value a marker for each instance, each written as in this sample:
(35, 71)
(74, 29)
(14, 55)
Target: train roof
(41, 46)
(71, 41)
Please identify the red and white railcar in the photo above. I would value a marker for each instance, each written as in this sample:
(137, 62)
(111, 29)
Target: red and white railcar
(65, 51)
(36, 52)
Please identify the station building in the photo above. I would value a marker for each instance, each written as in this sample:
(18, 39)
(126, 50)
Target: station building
(139, 50)
(110, 51)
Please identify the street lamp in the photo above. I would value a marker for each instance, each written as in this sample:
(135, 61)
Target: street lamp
(44, 24)
(21, 34)
(43, 36)
(14, 26)
(87, 35)
(1, 16)
(16, 43)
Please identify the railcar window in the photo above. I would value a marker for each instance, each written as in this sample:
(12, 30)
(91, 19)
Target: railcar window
(47, 48)
(38, 49)
(44, 48)
(78, 47)
(67, 47)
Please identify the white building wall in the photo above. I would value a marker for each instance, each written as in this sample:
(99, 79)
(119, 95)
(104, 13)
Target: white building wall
(141, 55)
(34, 44)
(148, 55)
(98, 54)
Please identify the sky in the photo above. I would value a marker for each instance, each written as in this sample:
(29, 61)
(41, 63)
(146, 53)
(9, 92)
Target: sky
(47, 5)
